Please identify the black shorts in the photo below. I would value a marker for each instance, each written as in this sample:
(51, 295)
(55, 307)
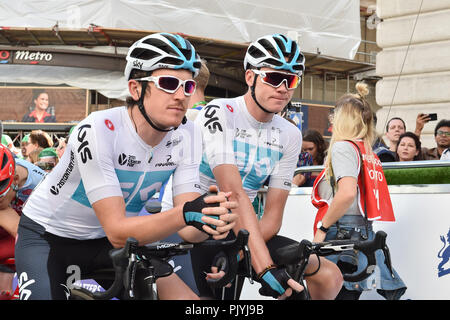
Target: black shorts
(47, 265)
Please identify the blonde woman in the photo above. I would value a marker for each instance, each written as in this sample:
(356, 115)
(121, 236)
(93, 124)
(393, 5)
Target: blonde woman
(352, 192)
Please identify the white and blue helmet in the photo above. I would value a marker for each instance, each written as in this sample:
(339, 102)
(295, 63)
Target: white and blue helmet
(162, 51)
(277, 52)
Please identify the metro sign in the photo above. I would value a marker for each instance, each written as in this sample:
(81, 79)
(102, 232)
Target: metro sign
(32, 57)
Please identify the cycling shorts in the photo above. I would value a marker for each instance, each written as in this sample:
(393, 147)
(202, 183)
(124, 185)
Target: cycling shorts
(48, 265)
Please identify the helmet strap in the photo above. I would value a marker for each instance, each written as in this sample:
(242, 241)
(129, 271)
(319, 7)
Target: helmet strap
(15, 187)
(145, 115)
(252, 89)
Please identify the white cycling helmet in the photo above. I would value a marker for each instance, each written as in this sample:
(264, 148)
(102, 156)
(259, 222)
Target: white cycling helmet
(277, 52)
(162, 51)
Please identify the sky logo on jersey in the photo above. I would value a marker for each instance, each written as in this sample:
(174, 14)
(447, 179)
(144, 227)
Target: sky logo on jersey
(83, 148)
(137, 186)
(255, 164)
(212, 122)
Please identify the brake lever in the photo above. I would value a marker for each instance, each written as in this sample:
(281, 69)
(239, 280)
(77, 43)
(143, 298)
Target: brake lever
(368, 248)
(248, 264)
(237, 245)
(130, 275)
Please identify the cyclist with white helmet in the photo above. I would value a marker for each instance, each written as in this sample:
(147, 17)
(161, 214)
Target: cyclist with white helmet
(246, 143)
(115, 161)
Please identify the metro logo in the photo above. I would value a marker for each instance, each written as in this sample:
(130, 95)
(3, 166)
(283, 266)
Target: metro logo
(33, 56)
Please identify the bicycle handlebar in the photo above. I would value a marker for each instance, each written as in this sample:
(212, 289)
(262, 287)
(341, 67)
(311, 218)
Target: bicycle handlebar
(298, 254)
(231, 248)
(120, 259)
(157, 252)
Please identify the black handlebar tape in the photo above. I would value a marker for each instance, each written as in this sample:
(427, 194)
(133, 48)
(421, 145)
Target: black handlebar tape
(368, 247)
(119, 258)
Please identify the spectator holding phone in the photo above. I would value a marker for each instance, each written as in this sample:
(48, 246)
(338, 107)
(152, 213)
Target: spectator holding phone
(422, 119)
(442, 138)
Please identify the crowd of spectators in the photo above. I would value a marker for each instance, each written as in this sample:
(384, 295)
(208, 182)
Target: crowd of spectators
(37, 147)
(396, 144)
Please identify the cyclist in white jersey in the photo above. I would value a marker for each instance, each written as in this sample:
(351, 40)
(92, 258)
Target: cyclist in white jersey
(246, 143)
(114, 162)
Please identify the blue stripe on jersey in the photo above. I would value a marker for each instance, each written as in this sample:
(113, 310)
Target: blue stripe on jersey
(205, 168)
(149, 182)
(80, 195)
(263, 162)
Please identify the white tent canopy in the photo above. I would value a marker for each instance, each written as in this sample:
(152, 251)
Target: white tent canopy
(331, 27)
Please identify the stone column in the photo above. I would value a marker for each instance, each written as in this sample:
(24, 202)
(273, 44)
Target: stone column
(414, 62)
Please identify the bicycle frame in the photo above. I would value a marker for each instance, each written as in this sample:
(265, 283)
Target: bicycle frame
(295, 257)
(136, 268)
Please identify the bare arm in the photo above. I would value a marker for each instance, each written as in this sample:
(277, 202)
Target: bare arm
(344, 197)
(9, 220)
(271, 221)
(229, 179)
(150, 228)
(146, 229)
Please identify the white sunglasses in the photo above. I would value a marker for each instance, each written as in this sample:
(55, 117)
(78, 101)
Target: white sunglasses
(170, 84)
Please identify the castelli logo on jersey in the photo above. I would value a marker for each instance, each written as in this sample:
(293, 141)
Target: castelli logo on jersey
(109, 125)
(230, 108)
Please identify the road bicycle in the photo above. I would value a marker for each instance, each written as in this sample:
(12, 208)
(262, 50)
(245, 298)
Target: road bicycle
(136, 268)
(295, 258)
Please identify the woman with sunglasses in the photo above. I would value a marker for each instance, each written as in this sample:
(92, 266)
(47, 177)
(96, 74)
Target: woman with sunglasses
(18, 178)
(115, 161)
(246, 143)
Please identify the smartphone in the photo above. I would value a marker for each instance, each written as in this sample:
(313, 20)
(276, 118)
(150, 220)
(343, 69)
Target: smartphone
(432, 116)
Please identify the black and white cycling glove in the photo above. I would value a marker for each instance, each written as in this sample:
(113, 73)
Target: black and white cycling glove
(273, 282)
(192, 212)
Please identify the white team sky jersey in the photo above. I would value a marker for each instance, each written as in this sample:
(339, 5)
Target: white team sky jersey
(105, 157)
(259, 149)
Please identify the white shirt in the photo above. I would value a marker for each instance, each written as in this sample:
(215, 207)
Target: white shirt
(258, 149)
(105, 157)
